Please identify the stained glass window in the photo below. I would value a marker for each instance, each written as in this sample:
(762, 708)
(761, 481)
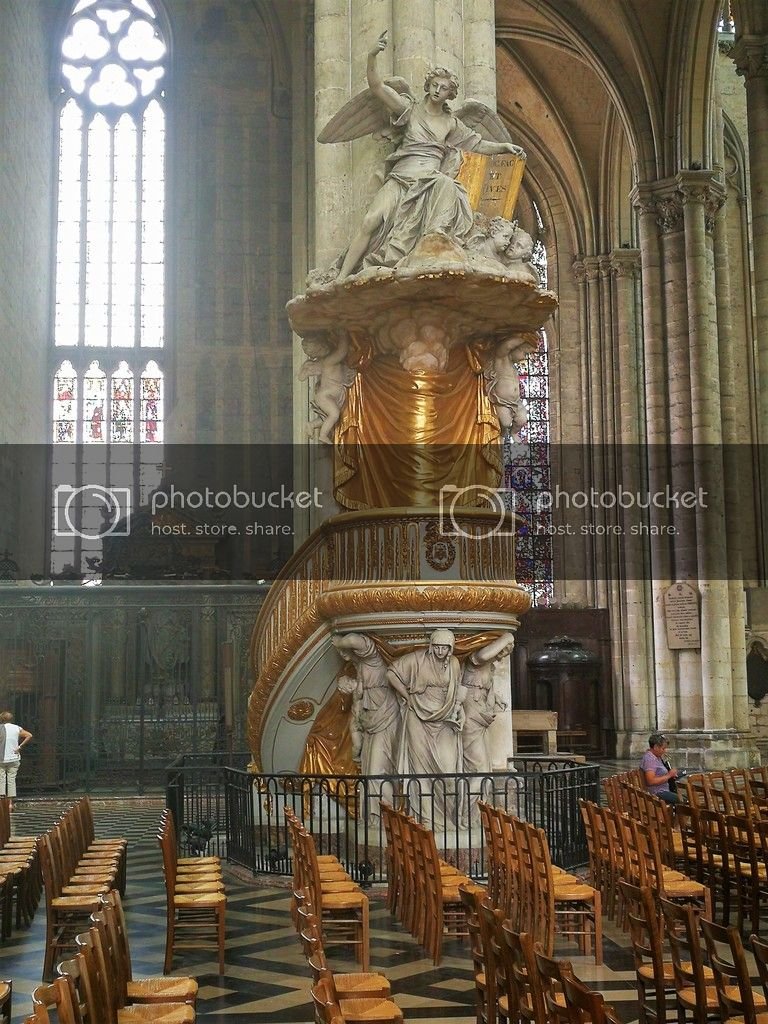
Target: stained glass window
(527, 467)
(95, 405)
(64, 404)
(110, 251)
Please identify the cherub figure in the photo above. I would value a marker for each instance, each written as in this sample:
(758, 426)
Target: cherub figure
(518, 254)
(334, 377)
(502, 383)
(505, 242)
(419, 195)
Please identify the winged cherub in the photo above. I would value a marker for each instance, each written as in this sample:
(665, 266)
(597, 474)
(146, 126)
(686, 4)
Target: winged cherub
(420, 195)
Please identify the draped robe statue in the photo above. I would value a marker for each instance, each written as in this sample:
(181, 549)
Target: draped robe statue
(429, 681)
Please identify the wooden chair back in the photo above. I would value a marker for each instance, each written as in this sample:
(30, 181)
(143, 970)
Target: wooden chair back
(645, 936)
(551, 975)
(56, 997)
(760, 951)
(682, 928)
(327, 1008)
(687, 818)
(726, 958)
(530, 997)
(586, 1006)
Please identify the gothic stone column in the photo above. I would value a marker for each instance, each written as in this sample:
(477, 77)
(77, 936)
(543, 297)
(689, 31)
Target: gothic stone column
(750, 54)
(685, 209)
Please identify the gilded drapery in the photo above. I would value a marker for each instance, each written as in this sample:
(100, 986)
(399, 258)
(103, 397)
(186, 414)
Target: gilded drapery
(421, 431)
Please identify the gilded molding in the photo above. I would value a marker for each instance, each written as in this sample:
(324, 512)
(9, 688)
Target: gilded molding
(300, 710)
(381, 598)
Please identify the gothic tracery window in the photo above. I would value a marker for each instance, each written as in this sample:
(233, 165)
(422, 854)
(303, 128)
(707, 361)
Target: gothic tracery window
(527, 467)
(109, 319)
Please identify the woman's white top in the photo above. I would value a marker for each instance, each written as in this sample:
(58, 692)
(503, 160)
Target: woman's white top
(8, 751)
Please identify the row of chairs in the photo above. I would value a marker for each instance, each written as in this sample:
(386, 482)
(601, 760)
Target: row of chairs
(77, 869)
(423, 889)
(196, 900)
(687, 966)
(537, 897)
(516, 980)
(736, 791)
(729, 853)
(321, 883)
(622, 847)
(722, 849)
(95, 986)
(20, 878)
(363, 995)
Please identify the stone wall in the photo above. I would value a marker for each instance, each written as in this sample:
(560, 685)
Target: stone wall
(26, 212)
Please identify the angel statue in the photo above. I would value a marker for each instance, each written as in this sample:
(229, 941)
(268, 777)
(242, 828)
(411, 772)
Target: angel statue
(420, 195)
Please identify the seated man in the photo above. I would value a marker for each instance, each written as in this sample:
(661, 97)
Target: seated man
(657, 770)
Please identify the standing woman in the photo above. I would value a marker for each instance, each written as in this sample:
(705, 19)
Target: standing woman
(12, 739)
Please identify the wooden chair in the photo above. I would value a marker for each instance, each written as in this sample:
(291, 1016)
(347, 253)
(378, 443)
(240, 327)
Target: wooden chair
(562, 903)
(483, 960)
(731, 975)
(692, 860)
(524, 976)
(672, 885)
(327, 1009)
(586, 1006)
(444, 912)
(358, 1010)
(343, 916)
(197, 916)
(610, 842)
(655, 975)
(595, 863)
(512, 891)
(160, 989)
(391, 857)
(83, 815)
(551, 976)
(65, 914)
(103, 1001)
(760, 951)
(719, 869)
(751, 872)
(56, 996)
(695, 992)
(6, 1001)
(348, 985)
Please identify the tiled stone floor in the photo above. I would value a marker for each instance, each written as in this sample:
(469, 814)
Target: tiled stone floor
(266, 979)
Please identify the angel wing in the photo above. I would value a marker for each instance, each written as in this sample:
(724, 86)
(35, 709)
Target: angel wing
(482, 119)
(363, 115)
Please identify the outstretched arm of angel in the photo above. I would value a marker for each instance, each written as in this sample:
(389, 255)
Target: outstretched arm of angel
(390, 97)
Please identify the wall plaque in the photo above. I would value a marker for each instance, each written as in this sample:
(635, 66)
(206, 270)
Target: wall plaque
(681, 614)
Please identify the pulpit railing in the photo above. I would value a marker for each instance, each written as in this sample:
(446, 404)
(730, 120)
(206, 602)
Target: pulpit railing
(221, 808)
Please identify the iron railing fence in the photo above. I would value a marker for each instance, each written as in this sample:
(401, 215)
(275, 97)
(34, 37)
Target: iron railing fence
(221, 808)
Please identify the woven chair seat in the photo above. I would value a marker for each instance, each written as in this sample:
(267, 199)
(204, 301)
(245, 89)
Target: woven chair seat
(200, 899)
(158, 1013)
(160, 989)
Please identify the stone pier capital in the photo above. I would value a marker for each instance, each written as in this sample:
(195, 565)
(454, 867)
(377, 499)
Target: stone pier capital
(750, 55)
(586, 268)
(666, 199)
(624, 262)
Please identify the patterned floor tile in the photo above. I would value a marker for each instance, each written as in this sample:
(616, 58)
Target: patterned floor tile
(266, 979)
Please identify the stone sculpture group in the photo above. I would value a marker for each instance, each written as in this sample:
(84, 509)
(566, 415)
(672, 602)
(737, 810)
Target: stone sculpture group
(425, 712)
